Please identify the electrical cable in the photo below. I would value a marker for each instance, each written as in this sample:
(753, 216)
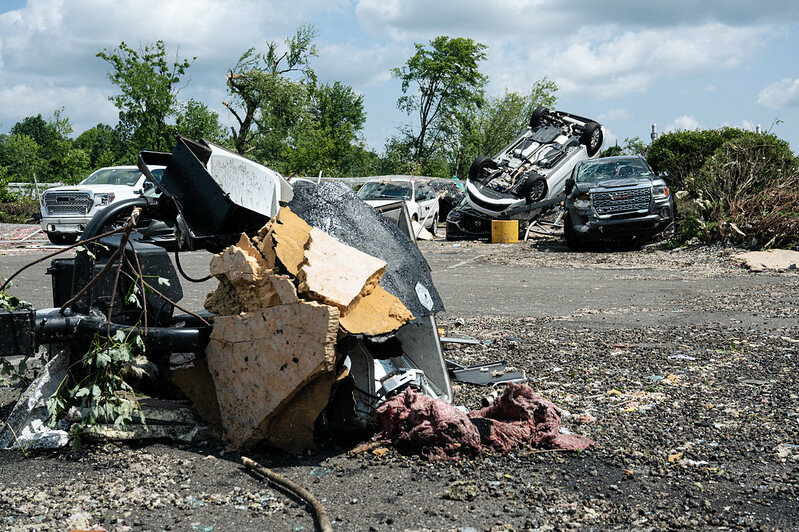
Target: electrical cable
(180, 269)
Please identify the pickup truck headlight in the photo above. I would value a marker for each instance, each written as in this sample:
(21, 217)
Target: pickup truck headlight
(660, 192)
(104, 198)
(583, 201)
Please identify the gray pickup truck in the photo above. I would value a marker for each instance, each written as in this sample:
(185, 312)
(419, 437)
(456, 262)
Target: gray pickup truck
(616, 198)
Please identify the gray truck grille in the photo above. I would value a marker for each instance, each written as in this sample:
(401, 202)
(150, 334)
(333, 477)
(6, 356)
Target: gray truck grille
(67, 202)
(622, 201)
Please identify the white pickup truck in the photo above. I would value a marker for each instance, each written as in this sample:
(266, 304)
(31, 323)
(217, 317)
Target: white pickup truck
(66, 210)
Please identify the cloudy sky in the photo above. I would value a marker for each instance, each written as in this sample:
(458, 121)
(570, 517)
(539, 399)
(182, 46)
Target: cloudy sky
(683, 64)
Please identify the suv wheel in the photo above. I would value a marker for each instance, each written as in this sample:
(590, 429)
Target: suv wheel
(592, 138)
(480, 164)
(539, 113)
(62, 239)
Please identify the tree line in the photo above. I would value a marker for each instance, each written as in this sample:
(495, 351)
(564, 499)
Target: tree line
(282, 115)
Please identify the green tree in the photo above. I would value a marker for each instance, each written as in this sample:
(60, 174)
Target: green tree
(37, 129)
(439, 84)
(680, 154)
(21, 156)
(195, 121)
(148, 85)
(255, 77)
(103, 144)
(339, 113)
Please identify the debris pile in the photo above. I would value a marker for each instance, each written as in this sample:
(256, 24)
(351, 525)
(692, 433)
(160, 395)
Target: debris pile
(272, 351)
(440, 431)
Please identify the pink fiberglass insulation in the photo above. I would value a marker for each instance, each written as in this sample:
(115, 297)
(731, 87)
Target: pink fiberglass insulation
(433, 427)
(520, 416)
(439, 431)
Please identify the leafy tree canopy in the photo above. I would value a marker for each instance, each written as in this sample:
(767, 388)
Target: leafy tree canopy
(439, 83)
(148, 84)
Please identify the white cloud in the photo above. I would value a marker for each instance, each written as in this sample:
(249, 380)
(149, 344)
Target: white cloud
(364, 66)
(683, 123)
(542, 19)
(748, 125)
(614, 115)
(82, 105)
(632, 61)
(779, 95)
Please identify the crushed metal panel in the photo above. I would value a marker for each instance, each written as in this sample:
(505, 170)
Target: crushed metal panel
(25, 426)
(488, 374)
(247, 183)
(422, 346)
(336, 210)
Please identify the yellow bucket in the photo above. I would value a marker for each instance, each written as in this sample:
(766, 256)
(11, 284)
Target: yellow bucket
(504, 231)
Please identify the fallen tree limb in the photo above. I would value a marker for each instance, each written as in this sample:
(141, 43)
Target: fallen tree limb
(322, 519)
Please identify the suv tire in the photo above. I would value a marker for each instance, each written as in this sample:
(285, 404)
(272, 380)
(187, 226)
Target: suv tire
(592, 138)
(572, 242)
(479, 164)
(60, 239)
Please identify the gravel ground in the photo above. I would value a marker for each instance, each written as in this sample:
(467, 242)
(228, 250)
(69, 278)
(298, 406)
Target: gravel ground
(696, 427)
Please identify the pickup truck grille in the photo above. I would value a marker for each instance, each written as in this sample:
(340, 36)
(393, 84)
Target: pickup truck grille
(67, 202)
(622, 201)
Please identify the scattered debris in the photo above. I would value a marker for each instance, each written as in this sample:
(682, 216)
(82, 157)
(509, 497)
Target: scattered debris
(461, 490)
(492, 373)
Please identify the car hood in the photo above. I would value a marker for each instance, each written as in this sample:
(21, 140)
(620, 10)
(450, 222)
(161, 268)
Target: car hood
(615, 183)
(468, 211)
(381, 202)
(97, 189)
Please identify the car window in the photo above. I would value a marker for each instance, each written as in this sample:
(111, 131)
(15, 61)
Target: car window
(113, 176)
(385, 190)
(604, 170)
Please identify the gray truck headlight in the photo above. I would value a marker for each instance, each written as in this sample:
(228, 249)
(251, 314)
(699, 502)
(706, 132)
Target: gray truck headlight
(583, 201)
(660, 192)
(104, 198)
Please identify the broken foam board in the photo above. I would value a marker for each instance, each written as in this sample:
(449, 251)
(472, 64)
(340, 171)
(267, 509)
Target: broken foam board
(336, 210)
(260, 360)
(337, 274)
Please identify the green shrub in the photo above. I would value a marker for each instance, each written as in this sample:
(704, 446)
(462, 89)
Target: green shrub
(681, 154)
(745, 192)
(17, 212)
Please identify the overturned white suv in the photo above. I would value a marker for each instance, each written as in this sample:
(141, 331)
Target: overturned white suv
(534, 167)
(66, 210)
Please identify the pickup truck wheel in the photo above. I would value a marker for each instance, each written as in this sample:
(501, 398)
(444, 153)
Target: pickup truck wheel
(62, 240)
(479, 165)
(539, 113)
(592, 138)
(571, 236)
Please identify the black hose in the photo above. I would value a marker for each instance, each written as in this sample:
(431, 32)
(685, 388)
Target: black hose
(180, 269)
(52, 327)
